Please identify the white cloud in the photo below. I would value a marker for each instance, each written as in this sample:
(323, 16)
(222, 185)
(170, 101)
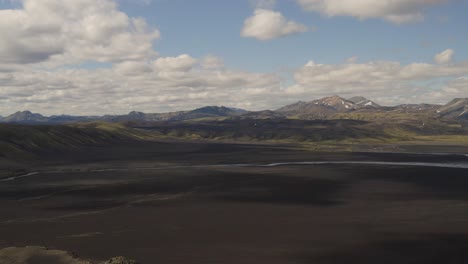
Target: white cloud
(184, 82)
(395, 11)
(41, 37)
(385, 81)
(212, 62)
(181, 63)
(167, 83)
(445, 56)
(132, 67)
(70, 31)
(353, 59)
(456, 88)
(267, 24)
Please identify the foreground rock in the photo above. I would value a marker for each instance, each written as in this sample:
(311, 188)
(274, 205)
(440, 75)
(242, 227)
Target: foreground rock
(120, 260)
(41, 255)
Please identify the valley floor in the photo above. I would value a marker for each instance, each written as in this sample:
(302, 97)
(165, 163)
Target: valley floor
(154, 203)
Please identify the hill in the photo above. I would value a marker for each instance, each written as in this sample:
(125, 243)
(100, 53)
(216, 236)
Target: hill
(16, 139)
(265, 114)
(297, 130)
(20, 142)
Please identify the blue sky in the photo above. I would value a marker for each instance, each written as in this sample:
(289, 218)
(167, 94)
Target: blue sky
(212, 26)
(250, 54)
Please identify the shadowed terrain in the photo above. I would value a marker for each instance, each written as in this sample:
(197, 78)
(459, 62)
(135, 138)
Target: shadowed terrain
(234, 191)
(167, 203)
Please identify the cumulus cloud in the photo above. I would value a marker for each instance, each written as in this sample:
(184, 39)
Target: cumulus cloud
(444, 57)
(395, 11)
(132, 67)
(43, 43)
(70, 31)
(181, 63)
(184, 82)
(353, 59)
(212, 62)
(387, 81)
(267, 24)
(164, 84)
(455, 88)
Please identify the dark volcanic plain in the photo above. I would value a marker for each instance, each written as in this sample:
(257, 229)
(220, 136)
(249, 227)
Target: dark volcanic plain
(157, 202)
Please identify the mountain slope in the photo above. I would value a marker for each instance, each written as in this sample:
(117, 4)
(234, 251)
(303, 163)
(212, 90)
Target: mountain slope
(265, 114)
(18, 139)
(25, 117)
(204, 112)
(363, 102)
(296, 130)
(456, 109)
(208, 112)
(319, 109)
(417, 108)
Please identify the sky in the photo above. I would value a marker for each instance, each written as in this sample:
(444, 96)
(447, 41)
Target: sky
(94, 57)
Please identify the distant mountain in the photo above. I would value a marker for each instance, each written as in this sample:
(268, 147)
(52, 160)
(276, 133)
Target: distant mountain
(265, 114)
(417, 108)
(456, 109)
(336, 102)
(363, 102)
(331, 119)
(333, 107)
(219, 111)
(204, 112)
(25, 117)
(323, 108)
(61, 119)
(207, 112)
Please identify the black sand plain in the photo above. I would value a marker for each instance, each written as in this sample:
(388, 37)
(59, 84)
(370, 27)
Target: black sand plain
(165, 203)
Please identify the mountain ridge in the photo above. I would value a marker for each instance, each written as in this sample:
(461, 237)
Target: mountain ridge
(332, 107)
(322, 108)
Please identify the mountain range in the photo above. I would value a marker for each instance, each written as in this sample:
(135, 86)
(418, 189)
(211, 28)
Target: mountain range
(27, 117)
(331, 122)
(328, 108)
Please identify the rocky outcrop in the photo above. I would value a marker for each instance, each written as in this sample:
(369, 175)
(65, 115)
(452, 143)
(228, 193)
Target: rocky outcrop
(26, 255)
(120, 260)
